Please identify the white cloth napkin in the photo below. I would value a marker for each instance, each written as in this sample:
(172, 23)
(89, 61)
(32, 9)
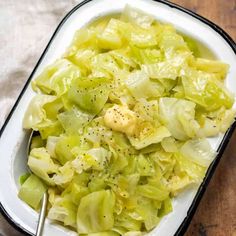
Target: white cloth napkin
(25, 28)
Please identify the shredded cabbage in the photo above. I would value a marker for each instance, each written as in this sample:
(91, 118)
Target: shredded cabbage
(123, 120)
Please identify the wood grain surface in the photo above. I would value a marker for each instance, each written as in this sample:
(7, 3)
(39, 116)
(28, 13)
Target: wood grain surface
(221, 12)
(216, 214)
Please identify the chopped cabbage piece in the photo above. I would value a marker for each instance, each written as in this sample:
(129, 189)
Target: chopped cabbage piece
(124, 220)
(104, 66)
(141, 86)
(96, 202)
(32, 191)
(136, 16)
(146, 139)
(83, 59)
(189, 167)
(210, 66)
(23, 178)
(56, 78)
(35, 113)
(178, 116)
(74, 120)
(42, 165)
(64, 146)
(63, 210)
(49, 128)
(123, 58)
(177, 183)
(64, 174)
(207, 92)
(199, 151)
(152, 192)
(170, 40)
(110, 37)
(37, 142)
(146, 56)
(139, 37)
(169, 144)
(90, 94)
(51, 145)
(148, 212)
(95, 158)
(161, 70)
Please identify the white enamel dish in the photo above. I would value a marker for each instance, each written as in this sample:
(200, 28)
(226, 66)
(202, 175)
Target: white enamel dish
(13, 139)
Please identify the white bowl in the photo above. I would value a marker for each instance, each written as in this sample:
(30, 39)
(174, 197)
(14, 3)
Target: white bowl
(13, 139)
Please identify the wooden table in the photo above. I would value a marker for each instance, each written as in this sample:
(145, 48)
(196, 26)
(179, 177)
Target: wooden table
(216, 214)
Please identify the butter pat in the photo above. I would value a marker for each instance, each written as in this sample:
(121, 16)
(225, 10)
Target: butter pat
(121, 118)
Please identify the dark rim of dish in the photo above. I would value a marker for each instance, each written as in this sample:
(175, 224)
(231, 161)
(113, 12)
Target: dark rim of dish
(184, 225)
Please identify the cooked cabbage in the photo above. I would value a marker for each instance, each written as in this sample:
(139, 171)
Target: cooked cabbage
(32, 191)
(123, 119)
(95, 212)
(178, 115)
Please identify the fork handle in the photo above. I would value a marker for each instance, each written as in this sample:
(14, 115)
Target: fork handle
(42, 215)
